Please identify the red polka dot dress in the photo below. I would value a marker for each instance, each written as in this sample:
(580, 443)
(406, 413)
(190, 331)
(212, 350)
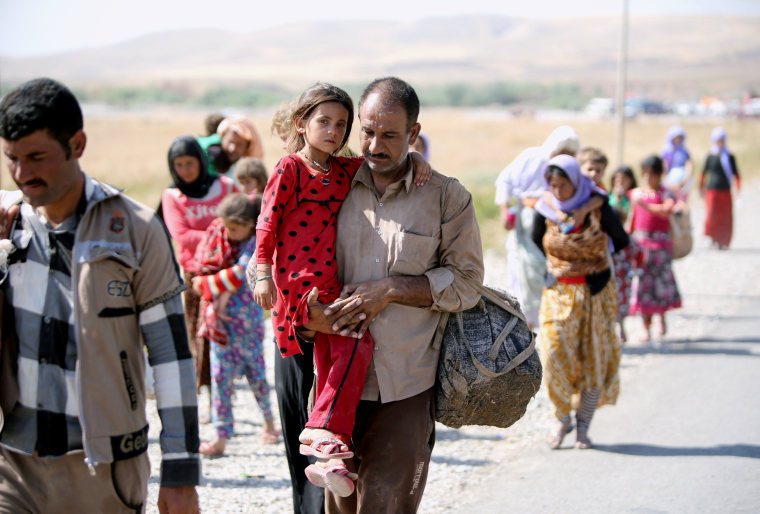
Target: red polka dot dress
(296, 232)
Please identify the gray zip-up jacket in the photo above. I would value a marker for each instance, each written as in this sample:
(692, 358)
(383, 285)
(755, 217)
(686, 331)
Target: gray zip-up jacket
(124, 274)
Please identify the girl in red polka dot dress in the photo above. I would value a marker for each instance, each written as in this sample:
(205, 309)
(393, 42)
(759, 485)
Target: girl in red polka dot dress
(295, 252)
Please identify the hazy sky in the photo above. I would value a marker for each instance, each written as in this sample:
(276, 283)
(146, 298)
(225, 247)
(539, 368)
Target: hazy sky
(33, 27)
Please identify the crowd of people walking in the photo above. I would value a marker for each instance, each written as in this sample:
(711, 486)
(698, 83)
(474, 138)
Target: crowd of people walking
(332, 244)
(601, 255)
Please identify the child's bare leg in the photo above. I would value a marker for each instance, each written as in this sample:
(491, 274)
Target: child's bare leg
(663, 326)
(220, 443)
(215, 447)
(220, 304)
(270, 435)
(647, 325)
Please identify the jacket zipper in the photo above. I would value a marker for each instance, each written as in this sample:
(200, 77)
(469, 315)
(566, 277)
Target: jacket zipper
(75, 295)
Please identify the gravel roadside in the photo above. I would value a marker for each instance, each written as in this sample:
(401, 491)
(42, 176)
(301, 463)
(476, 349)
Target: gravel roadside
(253, 477)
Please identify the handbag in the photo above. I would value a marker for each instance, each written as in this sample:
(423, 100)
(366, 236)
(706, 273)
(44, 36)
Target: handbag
(680, 233)
(488, 369)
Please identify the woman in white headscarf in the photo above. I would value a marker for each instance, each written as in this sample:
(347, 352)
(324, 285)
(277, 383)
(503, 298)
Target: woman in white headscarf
(518, 188)
(719, 174)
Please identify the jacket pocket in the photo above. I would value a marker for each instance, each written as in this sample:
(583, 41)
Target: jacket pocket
(123, 253)
(107, 271)
(129, 479)
(411, 254)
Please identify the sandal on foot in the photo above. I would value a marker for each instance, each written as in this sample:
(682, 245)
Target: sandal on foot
(334, 478)
(326, 448)
(272, 437)
(210, 449)
(555, 440)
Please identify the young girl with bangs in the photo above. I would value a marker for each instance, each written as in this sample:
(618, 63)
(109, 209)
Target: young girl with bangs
(295, 252)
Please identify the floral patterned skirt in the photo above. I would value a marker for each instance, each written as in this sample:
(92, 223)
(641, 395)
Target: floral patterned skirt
(625, 269)
(654, 289)
(579, 347)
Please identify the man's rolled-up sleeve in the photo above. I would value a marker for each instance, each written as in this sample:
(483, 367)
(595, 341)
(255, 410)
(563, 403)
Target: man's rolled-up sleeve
(460, 254)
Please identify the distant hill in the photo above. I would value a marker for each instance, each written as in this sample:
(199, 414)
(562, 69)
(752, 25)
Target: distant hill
(667, 55)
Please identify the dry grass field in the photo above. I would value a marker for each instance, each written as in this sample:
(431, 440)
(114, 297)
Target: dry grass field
(129, 149)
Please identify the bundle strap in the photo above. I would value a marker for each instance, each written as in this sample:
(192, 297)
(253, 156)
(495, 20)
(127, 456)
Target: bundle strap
(495, 298)
(493, 353)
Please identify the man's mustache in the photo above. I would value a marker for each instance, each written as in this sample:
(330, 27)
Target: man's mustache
(34, 182)
(377, 155)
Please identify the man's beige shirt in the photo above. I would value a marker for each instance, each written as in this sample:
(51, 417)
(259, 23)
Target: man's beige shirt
(403, 232)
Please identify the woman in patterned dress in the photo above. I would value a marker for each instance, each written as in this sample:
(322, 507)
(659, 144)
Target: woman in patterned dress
(580, 350)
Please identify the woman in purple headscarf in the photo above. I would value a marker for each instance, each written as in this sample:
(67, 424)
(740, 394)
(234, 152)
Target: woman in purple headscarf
(719, 174)
(579, 346)
(677, 161)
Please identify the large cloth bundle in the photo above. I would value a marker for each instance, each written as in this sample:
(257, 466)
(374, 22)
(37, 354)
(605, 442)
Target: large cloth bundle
(680, 232)
(489, 368)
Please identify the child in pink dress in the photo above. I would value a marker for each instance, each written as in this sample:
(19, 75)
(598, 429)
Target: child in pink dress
(655, 290)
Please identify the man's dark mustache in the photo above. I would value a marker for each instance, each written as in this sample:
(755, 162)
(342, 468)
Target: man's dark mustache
(377, 155)
(34, 182)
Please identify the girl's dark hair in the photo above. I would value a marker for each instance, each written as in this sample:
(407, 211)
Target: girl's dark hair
(239, 208)
(554, 170)
(41, 104)
(654, 163)
(317, 94)
(623, 170)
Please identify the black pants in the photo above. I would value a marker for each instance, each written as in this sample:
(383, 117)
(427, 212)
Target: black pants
(293, 377)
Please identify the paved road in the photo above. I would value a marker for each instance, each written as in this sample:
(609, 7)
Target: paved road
(685, 434)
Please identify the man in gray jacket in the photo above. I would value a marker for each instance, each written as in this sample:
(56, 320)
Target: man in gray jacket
(88, 279)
